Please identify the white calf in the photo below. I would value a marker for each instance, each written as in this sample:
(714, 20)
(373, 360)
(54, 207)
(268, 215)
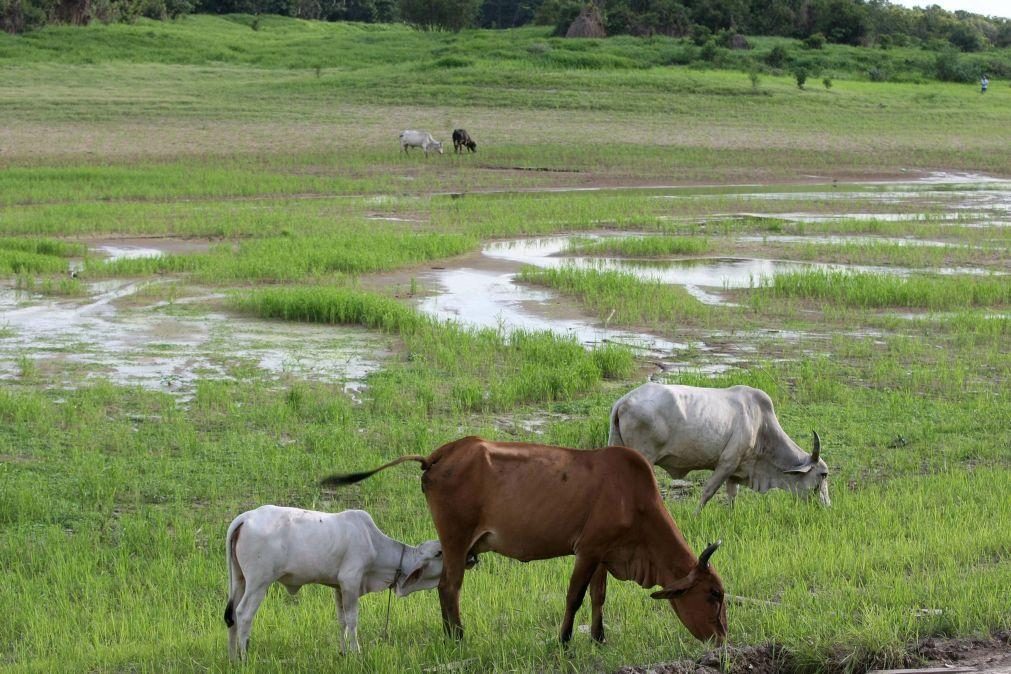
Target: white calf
(422, 139)
(295, 547)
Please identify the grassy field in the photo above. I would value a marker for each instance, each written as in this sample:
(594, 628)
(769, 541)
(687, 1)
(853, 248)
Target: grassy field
(265, 165)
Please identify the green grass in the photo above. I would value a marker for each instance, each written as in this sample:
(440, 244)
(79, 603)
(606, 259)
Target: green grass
(621, 298)
(649, 246)
(275, 259)
(453, 368)
(114, 499)
(21, 262)
(883, 290)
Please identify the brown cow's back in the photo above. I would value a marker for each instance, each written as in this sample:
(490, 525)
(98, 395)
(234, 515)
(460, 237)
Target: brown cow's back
(530, 505)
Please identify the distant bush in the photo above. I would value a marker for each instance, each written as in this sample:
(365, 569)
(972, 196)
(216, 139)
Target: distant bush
(814, 41)
(453, 62)
(777, 57)
(827, 82)
(876, 74)
(801, 76)
(949, 67)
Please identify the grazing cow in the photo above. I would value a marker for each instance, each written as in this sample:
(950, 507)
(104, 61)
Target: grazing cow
(462, 139)
(295, 547)
(732, 431)
(536, 502)
(422, 139)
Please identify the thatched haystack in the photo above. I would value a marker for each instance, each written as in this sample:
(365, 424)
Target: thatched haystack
(589, 23)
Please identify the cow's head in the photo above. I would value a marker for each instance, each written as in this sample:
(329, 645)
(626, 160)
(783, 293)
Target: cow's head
(698, 599)
(812, 475)
(472, 145)
(423, 570)
(438, 146)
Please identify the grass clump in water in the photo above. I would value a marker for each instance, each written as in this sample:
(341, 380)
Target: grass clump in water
(44, 247)
(882, 290)
(22, 262)
(619, 297)
(449, 365)
(645, 246)
(292, 258)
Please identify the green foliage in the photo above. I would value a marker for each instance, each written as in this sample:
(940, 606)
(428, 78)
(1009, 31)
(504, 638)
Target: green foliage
(800, 75)
(950, 67)
(814, 41)
(827, 82)
(777, 56)
(454, 15)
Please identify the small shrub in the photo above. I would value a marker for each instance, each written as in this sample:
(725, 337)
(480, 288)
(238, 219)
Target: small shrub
(827, 82)
(876, 74)
(814, 41)
(755, 79)
(710, 52)
(700, 35)
(777, 57)
(801, 76)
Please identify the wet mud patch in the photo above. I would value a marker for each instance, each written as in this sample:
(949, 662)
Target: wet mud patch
(169, 346)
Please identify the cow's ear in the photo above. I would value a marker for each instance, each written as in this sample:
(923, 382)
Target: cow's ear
(806, 468)
(677, 588)
(669, 593)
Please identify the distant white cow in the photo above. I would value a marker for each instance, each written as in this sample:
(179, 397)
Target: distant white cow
(295, 547)
(422, 139)
(733, 431)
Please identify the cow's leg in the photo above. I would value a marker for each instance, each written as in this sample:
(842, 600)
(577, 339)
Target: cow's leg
(724, 469)
(581, 575)
(246, 611)
(339, 604)
(349, 604)
(598, 593)
(454, 562)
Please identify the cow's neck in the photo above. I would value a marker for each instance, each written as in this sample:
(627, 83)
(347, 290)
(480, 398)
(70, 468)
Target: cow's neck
(660, 555)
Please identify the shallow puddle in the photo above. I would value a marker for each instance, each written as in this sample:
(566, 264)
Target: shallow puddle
(167, 348)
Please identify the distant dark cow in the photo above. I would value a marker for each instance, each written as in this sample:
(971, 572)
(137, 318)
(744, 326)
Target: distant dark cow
(531, 502)
(462, 139)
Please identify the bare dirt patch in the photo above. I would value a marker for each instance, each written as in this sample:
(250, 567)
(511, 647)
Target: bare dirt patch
(987, 656)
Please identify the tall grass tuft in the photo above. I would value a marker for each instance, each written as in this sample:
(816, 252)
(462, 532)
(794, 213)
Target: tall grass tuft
(882, 290)
(644, 246)
(619, 297)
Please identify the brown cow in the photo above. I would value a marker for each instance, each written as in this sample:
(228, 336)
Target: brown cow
(530, 502)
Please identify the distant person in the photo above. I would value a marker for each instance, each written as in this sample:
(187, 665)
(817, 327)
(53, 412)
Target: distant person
(983, 84)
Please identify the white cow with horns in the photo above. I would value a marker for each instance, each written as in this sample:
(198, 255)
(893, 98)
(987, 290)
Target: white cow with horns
(733, 432)
(295, 547)
(410, 138)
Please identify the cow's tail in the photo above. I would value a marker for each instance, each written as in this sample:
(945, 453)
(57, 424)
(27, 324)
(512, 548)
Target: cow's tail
(614, 437)
(236, 581)
(351, 478)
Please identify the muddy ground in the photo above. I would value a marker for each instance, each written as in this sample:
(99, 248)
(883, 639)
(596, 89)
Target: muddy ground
(987, 656)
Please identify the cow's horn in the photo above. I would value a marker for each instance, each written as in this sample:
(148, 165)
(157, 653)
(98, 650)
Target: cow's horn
(707, 553)
(817, 447)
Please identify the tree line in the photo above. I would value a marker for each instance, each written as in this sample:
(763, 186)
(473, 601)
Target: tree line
(854, 22)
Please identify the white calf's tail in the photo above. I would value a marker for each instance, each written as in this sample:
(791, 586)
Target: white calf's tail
(236, 581)
(614, 438)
